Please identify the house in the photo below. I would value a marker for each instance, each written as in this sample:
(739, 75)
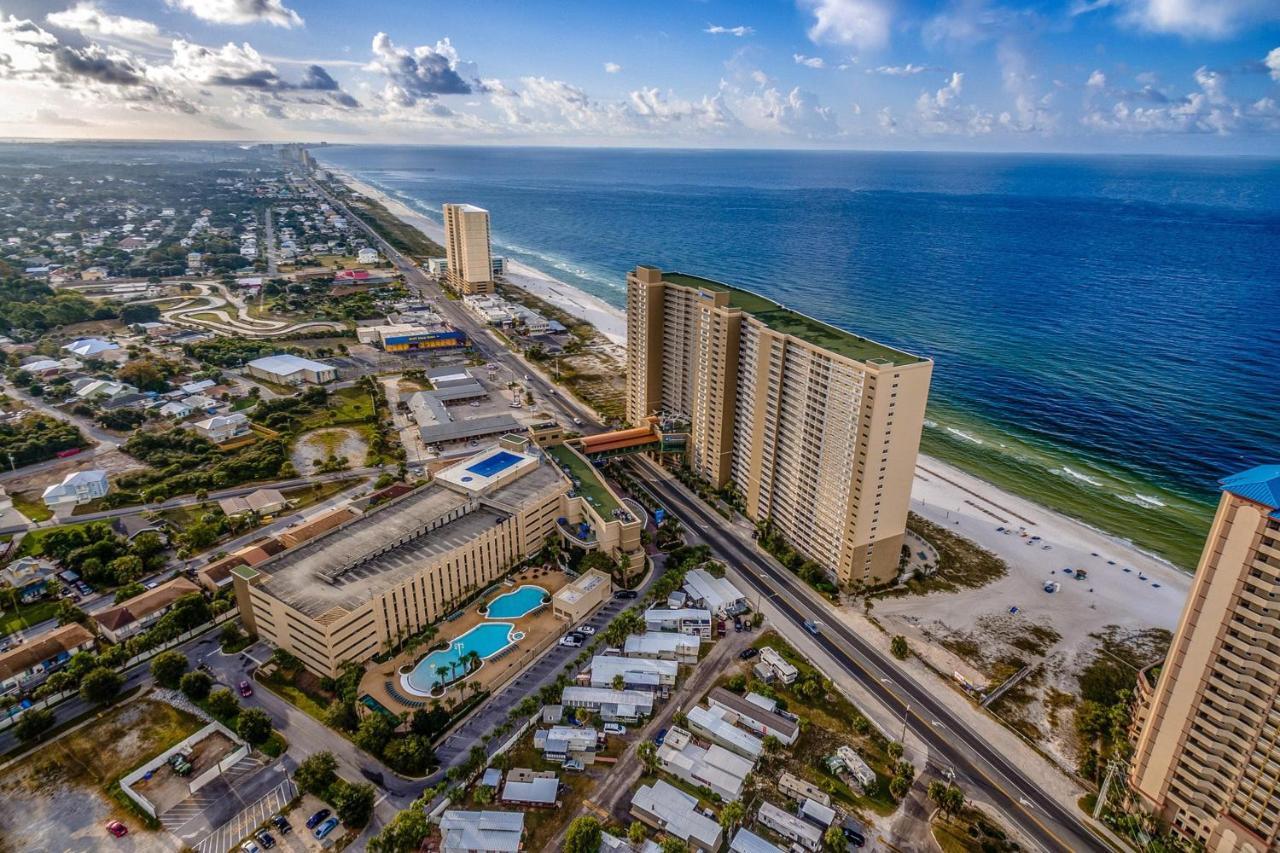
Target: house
(562, 743)
(223, 428)
(715, 594)
(635, 673)
(90, 347)
(261, 502)
(800, 790)
(623, 706)
(133, 526)
(135, 614)
(367, 256)
(287, 369)
(746, 841)
(526, 788)
(686, 620)
(175, 410)
(668, 809)
(79, 487)
(614, 844)
(715, 725)
(197, 387)
(29, 576)
(664, 645)
(789, 826)
(849, 763)
(217, 574)
(764, 721)
(821, 816)
(30, 663)
(102, 389)
(782, 668)
(714, 767)
(480, 832)
(200, 403)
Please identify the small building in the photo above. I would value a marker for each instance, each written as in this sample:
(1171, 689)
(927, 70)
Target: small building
(261, 502)
(176, 410)
(480, 831)
(286, 369)
(367, 256)
(133, 615)
(29, 664)
(531, 789)
(753, 717)
(821, 816)
(668, 809)
(576, 600)
(217, 574)
(789, 826)
(223, 428)
(102, 389)
(636, 673)
(90, 347)
(715, 767)
(782, 668)
(715, 594)
(664, 645)
(562, 743)
(715, 725)
(847, 762)
(29, 577)
(800, 790)
(614, 844)
(79, 487)
(746, 841)
(686, 620)
(622, 706)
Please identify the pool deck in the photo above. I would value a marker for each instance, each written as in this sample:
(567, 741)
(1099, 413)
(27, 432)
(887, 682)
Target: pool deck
(541, 629)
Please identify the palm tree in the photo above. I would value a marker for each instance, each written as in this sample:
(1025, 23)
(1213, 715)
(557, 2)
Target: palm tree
(443, 672)
(473, 661)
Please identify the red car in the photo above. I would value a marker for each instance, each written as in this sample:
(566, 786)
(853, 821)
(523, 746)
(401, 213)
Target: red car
(245, 689)
(118, 829)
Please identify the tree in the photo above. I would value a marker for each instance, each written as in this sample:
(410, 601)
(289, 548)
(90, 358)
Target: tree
(101, 685)
(898, 786)
(899, 648)
(619, 682)
(894, 749)
(352, 803)
(833, 839)
(68, 613)
(33, 724)
(410, 754)
(316, 773)
(583, 836)
(732, 815)
(648, 756)
(636, 833)
(671, 844)
(404, 834)
(223, 704)
(254, 725)
(374, 733)
(168, 667)
(128, 591)
(953, 801)
(196, 685)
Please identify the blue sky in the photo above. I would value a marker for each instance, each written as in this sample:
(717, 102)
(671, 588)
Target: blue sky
(1172, 76)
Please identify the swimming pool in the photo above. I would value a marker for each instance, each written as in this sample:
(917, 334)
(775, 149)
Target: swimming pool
(517, 603)
(500, 461)
(486, 640)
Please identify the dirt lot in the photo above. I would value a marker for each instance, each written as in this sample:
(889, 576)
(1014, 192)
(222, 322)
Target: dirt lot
(57, 799)
(165, 788)
(114, 462)
(315, 447)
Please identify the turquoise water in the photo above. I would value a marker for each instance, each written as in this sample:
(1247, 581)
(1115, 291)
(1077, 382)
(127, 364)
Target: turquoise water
(485, 640)
(517, 603)
(495, 463)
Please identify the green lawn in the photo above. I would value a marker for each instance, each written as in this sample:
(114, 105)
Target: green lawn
(294, 695)
(33, 542)
(345, 406)
(32, 508)
(26, 615)
(592, 486)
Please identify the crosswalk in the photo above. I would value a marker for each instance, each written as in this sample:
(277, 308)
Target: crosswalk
(224, 837)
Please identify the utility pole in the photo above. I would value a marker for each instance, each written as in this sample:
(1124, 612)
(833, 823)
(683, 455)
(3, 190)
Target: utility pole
(1113, 767)
(905, 712)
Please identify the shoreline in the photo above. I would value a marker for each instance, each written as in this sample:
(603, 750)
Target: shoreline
(942, 492)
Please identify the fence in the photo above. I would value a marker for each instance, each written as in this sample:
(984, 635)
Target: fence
(218, 769)
(130, 779)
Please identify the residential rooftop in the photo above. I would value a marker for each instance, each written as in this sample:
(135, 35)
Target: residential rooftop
(794, 323)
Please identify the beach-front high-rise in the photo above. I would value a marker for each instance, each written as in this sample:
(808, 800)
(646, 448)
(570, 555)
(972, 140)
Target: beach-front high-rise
(466, 247)
(1207, 758)
(817, 428)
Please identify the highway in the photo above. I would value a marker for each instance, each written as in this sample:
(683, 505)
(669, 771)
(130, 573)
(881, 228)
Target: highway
(1052, 825)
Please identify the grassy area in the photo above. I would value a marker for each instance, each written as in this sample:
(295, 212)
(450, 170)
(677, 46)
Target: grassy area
(962, 564)
(405, 238)
(32, 508)
(33, 542)
(970, 832)
(26, 615)
(590, 485)
(284, 687)
(345, 406)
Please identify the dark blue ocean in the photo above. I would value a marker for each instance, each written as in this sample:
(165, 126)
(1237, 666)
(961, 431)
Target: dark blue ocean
(1106, 330)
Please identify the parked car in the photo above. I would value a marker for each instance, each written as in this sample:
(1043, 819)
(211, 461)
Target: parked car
(626, 593)
(615, 729)
(250, 847)
(246, 689)
(586, 629)
(660, 737)
(573, 765)
(316, 818)
(282, 826)
(265, 839)
(748, 654)
(325, 828)
(571, 642)
(118, 829)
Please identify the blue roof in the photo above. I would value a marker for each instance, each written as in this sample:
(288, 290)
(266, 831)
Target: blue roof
(1260, 485)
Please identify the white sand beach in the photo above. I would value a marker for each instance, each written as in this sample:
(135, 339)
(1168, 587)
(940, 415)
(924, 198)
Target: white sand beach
(968, 506)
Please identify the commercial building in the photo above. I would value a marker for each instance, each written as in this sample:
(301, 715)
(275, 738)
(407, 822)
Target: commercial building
(817, 428)
(668, 809)
(481, 831)
(574, 601)
(30, 663)
(467, 250)
(763, 721)
(286, 369)
(135, 614)
(1207, 757)
(412, 337)
(77, 488)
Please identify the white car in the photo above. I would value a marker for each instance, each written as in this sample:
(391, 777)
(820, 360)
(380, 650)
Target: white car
(570, 642)
(615, 729)
(586, 629)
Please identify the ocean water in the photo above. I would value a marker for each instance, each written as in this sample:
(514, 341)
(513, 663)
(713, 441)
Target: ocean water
(1105, 330)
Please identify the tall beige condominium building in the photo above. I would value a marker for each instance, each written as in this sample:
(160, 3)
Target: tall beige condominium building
(1207, 758)
(466, 247)
(816, 427)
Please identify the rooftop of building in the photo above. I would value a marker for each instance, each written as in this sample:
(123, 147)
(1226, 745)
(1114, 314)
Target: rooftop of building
(1260, 484)
(285, 364)
(586, 480)
(802, 326)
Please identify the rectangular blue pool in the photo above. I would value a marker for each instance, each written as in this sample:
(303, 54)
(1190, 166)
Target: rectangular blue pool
(498, 462)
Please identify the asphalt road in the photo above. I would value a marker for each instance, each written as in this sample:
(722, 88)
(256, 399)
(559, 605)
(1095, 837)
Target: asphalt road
(1049, 823)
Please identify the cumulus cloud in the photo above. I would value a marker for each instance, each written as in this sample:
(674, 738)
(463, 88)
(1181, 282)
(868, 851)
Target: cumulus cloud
(1097, 80)
(1207, 109)
(241, 67)
(1213, 19)
(271, 12)
(809, 61)
(87, 18)
(420, 73)
(793, 113)
(612, 68)
(739, 31)
(863, 24)
(942, 113)
(1273, 63)
(1031, 112)
(908, 70)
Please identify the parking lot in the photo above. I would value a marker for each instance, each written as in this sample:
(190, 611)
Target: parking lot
(228, 835)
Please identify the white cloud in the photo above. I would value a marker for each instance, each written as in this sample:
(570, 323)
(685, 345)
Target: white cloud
(423, 72)
(1273, 63)
(612, 68)
(864, 24)
(941, 113)
(908, 70)
(1097, 80)
(1208, 109)
(809, 61)
(1215, 19)
(87, 18)
(793, 113)
(271, 12)
(739, 31)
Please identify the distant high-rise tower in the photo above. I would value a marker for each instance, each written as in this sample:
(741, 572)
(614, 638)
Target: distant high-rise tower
(466, 246)
(816, 428)
(1207, 758)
